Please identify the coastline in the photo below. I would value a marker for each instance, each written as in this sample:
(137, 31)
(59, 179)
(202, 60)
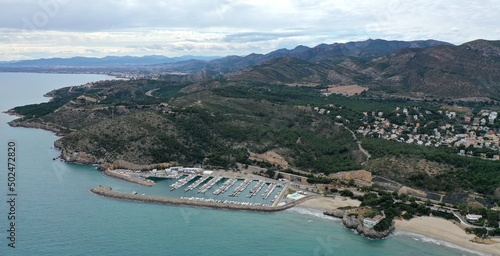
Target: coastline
(432, 227)
(445, 230)
(459, 238)
(110, 193)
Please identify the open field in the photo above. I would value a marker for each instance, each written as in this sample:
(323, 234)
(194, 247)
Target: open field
(347, 90)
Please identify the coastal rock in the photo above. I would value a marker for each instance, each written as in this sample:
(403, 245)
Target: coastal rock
(58, 144)
(350, 222)
(336, 213)
(372, 233)
(78, 157)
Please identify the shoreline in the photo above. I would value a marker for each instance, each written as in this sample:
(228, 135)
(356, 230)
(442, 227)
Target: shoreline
(430, 227)
(445, 230)
(110, 193)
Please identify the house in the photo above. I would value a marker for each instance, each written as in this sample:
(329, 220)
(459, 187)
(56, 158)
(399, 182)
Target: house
(473, 217)
(371, 222)
(492, 117)
(483, 121)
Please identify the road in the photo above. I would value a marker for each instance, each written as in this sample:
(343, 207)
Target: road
(364, 151)
(150, 92)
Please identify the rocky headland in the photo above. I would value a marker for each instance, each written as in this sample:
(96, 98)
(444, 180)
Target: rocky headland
(356, 223)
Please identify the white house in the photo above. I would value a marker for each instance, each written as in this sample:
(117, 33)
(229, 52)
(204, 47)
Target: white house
(369, 222)
(473, 217)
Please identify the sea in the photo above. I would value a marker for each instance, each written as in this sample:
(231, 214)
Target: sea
(56, 214)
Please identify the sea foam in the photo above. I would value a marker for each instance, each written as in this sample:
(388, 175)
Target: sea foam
(312, 212)
(430, 240)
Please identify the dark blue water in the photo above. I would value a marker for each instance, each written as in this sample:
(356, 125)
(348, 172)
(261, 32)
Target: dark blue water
(57, 215)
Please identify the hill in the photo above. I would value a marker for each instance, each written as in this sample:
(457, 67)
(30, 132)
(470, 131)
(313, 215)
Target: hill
(443, 71)
(220, 119)
(364, 49)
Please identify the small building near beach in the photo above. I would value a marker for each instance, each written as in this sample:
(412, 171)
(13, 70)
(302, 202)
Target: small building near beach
(371, 222)
(473, 217)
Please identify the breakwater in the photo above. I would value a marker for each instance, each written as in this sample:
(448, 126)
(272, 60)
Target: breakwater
(116, 174)
(109, 192)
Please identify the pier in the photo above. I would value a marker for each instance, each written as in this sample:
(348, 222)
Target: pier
(209, 185)
(225, 186)
(257, 188)
(196, 184)
(240, 188)
(269, 191)
(182, 182)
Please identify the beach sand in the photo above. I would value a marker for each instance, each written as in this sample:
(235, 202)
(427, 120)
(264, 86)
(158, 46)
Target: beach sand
(447, 231)
(328, 203)
(433, 227)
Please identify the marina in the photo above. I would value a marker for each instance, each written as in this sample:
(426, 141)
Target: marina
(214, 186)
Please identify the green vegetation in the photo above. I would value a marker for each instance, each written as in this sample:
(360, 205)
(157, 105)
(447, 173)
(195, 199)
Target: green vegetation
(469, 173)
(41, 109)
(149, 121)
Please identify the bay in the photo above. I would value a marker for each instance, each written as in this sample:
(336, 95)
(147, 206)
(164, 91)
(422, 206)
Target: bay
(57, 215)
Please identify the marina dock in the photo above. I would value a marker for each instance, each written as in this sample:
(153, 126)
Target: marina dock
(197, 183)
(222, 189)
(257, 188)
(183, 181)
(209, 185)
(240, 188)
(109, 192)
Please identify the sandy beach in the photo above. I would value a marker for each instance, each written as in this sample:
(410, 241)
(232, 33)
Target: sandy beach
(328, 203)
(433, 227)
(447, 231)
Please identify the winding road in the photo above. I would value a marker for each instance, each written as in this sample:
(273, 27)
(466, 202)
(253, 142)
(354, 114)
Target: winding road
(150, 92)
(364, 151)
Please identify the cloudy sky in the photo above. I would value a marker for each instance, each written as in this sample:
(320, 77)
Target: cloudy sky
(64, 28)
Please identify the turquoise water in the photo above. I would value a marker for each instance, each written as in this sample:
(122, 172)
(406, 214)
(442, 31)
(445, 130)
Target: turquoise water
(57, 215)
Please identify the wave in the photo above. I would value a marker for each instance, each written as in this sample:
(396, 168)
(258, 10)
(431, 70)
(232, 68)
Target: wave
(312, 212)
(430, 240)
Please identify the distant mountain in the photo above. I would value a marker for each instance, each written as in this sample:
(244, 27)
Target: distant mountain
(468, 70)
(365, 49)
(106, 61)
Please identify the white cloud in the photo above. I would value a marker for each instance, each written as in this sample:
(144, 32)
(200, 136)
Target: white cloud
(48, 28)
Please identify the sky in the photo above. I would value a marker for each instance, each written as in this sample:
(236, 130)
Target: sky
(31, 29)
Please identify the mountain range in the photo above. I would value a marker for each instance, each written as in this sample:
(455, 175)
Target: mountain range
(425, 68)
(105, 61)
(464, 71)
